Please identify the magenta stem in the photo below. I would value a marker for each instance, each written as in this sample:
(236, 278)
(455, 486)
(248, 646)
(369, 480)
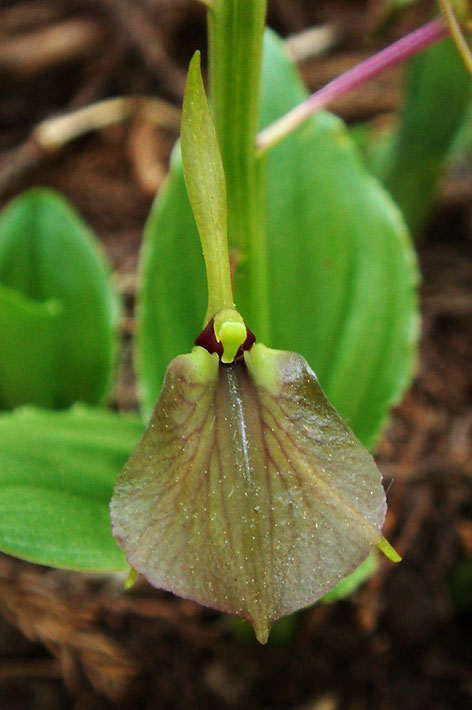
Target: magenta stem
(397, 52)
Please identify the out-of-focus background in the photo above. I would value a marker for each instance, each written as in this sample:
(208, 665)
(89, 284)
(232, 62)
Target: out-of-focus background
(404, 639)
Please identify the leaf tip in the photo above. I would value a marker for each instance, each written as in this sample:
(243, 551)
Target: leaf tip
(194, 72)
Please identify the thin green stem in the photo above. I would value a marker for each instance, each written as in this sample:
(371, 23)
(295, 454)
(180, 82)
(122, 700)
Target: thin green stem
(235, 42)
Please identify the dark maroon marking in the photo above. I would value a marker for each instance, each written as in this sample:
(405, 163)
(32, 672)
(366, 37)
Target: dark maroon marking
(207, 339)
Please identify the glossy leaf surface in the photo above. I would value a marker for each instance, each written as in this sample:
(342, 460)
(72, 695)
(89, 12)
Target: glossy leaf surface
(57, 471)
(47, 253)
(342, 273)
(247, 492)
(172, 296)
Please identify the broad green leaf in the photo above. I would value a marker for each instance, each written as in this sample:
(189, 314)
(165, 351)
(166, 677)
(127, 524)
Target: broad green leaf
(247, 492)
(27, 352)
(57, 471)
(47, 253)
(172, 296)
(412, 160)
(342, 272)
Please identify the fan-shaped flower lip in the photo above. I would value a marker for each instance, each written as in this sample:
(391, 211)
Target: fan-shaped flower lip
(247, 492)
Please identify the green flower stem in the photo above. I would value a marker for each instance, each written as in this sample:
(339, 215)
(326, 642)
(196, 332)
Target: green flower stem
(235, 43)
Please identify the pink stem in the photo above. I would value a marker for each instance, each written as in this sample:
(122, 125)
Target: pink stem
(397, 52)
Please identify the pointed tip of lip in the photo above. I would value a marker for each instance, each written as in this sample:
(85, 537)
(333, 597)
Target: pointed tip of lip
(261, 630)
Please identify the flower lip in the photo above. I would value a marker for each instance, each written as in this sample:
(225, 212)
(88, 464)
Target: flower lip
(247, 492)
(207, 339)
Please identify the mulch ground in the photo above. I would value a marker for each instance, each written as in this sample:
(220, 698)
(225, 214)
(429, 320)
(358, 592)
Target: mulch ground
(403, 640)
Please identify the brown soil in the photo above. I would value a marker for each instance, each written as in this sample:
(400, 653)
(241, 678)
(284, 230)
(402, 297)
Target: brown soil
(403, 640)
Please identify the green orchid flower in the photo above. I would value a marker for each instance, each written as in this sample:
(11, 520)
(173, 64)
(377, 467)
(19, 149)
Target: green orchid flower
(247, 492)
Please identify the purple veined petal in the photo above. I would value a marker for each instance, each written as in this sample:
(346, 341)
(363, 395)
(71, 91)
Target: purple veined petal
(247, 492)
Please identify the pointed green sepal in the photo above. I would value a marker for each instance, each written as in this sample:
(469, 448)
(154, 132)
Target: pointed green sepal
(389, 552)
(206, 188)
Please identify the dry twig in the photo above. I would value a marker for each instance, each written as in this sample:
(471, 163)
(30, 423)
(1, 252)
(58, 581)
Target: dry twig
(24, 16)
(31, 54)
(142, 34)
(312, 42)
(53, 134)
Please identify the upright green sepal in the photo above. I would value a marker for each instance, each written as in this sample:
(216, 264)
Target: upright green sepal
(206, 188)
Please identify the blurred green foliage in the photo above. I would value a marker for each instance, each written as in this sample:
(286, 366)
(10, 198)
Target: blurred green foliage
(411, 159)
(58, 308)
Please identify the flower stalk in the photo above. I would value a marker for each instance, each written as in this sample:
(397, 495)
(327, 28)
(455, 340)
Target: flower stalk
(235, 58)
